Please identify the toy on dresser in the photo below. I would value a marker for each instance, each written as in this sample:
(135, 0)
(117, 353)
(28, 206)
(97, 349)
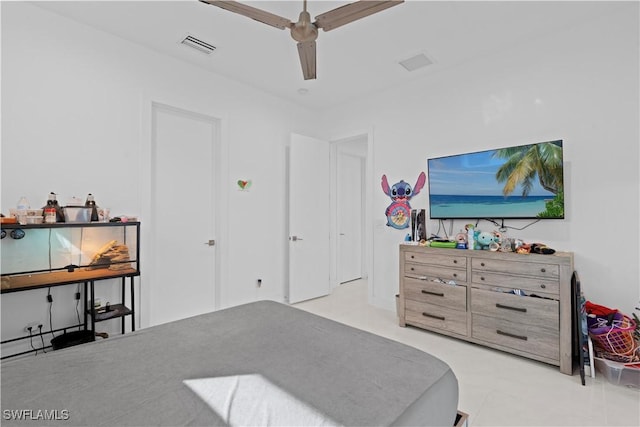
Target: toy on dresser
(486, 240)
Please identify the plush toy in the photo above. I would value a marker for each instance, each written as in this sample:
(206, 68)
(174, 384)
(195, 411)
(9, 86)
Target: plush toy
(461, 240)
(485, 240)
(497, 241)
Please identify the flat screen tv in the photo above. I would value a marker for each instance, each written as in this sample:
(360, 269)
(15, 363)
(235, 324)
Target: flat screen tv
(520, 182)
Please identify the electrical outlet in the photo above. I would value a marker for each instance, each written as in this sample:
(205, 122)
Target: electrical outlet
(32, 326)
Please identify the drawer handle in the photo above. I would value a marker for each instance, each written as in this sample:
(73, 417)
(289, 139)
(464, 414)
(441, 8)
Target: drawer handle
(544, 270)
(482, 278)
(433, 316)
(438, 294)
(413, 269)
(543, 286)
(455, 261)
(482, 264)
(455, 274)
(507, 307)
(412, 257)
(507, 334)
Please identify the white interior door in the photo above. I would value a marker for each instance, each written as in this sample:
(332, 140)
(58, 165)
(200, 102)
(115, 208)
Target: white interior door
(349, 216)
(309, 250)
(183, 214)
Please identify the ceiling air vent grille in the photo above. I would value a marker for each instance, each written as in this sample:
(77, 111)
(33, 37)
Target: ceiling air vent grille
(198, 44)
(416, 62)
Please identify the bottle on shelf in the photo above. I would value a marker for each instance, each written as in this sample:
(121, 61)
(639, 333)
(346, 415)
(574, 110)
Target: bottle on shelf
(23, 204)
(471, 241)
(91, 203)
(49, 210)
(52, 210)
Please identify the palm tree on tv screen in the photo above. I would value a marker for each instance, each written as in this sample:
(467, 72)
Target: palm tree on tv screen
(525, 163)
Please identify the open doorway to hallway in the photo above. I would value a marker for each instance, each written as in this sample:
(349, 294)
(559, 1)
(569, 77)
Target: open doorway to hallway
(350, 209)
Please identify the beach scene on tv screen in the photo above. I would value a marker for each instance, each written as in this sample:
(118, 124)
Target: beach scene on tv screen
(524, 181)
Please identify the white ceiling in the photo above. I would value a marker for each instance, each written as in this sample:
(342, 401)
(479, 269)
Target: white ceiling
(354, 60)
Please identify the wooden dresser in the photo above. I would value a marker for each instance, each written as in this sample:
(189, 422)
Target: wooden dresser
(472, 295)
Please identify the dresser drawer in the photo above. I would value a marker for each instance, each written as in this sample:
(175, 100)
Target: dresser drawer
(435, 317)
(435, 259)
(435, 272)
(450, 296)
(531, 284)
(516, 309)
(549, 271)
(531, 339)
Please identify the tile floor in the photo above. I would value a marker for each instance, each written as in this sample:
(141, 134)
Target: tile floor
(496, 388)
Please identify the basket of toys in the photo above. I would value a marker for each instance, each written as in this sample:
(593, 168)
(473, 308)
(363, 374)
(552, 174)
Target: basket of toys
(613, 335)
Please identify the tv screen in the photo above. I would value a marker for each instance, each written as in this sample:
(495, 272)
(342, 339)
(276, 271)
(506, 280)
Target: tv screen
(520, 182)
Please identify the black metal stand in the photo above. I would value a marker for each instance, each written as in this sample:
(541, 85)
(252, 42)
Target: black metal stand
(116, 310)
(577, 320)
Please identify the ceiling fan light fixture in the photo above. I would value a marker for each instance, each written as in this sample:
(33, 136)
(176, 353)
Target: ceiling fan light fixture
(416, 62)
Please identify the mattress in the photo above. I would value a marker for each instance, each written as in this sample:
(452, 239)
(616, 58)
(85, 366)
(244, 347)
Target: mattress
(262, 363)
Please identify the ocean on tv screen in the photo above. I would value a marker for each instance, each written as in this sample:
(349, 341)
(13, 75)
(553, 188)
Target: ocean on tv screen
(454, 206)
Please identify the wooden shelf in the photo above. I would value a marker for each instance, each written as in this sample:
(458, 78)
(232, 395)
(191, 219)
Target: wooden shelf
(55, 278)
(116, 310)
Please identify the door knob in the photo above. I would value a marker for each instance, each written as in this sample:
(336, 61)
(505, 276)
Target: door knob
(295, 238)
(210, 243)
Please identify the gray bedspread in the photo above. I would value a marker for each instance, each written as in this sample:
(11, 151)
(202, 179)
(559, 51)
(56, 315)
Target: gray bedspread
(349, 376)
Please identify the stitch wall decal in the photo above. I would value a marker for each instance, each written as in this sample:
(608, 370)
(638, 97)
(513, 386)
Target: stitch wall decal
(399, 211)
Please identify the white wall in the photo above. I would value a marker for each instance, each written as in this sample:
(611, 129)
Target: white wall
(73, 100)
(579, 85)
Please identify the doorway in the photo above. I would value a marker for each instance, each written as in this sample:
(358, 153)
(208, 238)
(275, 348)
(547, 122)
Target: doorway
(355, 153)
(351, 198)
(350, 193)
(182, 213)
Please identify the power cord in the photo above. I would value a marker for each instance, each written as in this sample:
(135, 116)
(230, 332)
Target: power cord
(504, 228)
(41, 338)
(50, 300)
(31, 340)
(442, 226)
(501, 226)
(78, 302)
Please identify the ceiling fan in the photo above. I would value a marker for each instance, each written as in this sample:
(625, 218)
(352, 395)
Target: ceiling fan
(304, 31)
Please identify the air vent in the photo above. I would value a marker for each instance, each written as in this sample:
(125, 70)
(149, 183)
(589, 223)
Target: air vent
(198, 44)
(415, 62)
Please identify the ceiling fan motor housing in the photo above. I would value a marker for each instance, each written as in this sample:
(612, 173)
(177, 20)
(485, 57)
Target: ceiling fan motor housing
(304, 30)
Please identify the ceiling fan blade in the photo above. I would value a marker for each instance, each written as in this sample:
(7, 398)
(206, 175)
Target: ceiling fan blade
(350, 12)
(307, 52)
(251, 12)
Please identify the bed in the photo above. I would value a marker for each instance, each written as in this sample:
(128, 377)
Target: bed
(262, 363)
